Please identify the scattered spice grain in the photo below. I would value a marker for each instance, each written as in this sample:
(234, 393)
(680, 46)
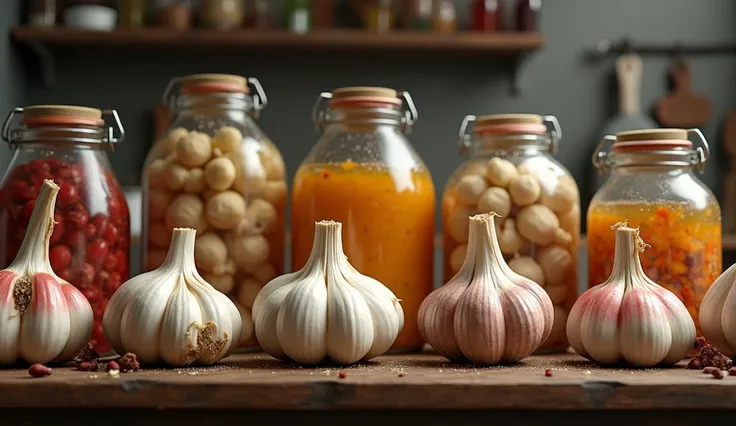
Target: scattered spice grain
(112, 365)
(39, 370)
(129, 362)
(342, 374)
(87, 366)
(88, 353)
(548, 372)
(732, 371)
(708, 356)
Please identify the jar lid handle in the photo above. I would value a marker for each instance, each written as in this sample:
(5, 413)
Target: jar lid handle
(703, 151)
(111, 139)
(8, 122)
(555, 131)
(464, 134)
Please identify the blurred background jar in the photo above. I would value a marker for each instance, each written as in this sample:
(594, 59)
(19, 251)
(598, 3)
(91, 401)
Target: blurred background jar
(132, 13)
(364, 173)
(173, 14)
(42, 13)
(90, 243)
(222, 14)
(216, 171)
(653, 186)
(511, 171)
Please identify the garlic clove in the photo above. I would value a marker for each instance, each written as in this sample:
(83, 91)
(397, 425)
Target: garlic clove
(349, 321)
(221, 322)
(682, 327)
(648, 340)
(306, 308)
(266, 310)
(574, 319)
(80, 312)
(9, 320)
(599, 334)
(46, 324)
(178, 328)
(117, 306)
(717, 308)
(480, 327)
(437, 319)
(524, 333)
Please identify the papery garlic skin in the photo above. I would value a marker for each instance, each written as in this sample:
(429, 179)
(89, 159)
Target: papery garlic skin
(172, 314)
(718, 313)
(327, 310)
(629, 317)
(486, 313)
(42, 317)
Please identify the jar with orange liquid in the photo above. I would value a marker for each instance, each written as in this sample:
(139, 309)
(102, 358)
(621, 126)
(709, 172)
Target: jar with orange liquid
(653, 186)
(364, 173)
(511, 171)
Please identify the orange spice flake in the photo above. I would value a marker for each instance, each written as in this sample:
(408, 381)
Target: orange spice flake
(347, 165)
(685, 246)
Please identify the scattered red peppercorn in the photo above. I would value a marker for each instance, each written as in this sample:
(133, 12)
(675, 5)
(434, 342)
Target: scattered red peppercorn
(548, 372)
(60, 257)
(112, 365)
(39, 370)
(717, 373)
(342, 374)
(88, 353)
(128, 362)
(709, 356)
(87, 366)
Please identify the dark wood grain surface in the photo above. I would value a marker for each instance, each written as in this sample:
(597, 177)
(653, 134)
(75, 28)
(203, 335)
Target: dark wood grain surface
(408, 382)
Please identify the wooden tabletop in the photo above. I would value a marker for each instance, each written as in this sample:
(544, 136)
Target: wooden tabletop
(422, 382)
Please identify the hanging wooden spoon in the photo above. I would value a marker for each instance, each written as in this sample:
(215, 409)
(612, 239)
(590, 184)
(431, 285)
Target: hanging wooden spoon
(683, 107)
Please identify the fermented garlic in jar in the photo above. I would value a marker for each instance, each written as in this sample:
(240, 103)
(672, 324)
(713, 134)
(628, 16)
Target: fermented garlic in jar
(215, 171)
(364, 173)
(653, 187)
(90, 243)
(511, 171)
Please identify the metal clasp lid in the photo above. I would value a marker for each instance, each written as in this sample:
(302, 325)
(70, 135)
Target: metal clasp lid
(602, 160)
(550, 121)
(13, 136)
(171, 96)
(410, 114)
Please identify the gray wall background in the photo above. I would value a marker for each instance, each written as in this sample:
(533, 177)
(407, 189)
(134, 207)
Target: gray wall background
(556, 80)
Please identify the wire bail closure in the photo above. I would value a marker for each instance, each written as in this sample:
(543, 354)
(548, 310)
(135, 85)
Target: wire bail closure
(699, 155)
(171, 96)
(12, 135)
(320, 115)
(465, 134)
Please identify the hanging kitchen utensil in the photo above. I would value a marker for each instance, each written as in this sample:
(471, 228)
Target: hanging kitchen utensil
(729, 179)
(683, 107)
(628, 72)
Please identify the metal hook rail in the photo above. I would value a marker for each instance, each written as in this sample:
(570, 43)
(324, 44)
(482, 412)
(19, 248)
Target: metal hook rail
(678, 48)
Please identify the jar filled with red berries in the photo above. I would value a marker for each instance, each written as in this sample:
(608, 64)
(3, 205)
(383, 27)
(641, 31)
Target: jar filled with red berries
(91, 240)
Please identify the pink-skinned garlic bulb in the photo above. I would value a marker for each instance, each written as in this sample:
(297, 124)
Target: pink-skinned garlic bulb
(42, 317)
(629, 317)
(486, 313)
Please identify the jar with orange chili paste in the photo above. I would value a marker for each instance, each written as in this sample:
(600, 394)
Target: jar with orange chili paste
(364, 173)
(653, 186)
(511, 171)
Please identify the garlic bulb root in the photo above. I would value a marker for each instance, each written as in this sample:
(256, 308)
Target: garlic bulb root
(718, 313)
(172, 314)
(486, 313)
(326, 310)
(42, 317)
(629, 317)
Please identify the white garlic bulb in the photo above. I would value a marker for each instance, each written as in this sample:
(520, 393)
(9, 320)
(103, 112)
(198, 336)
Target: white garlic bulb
(629, 317)
(718, 313)
(326, 310)
(42, 317)
(172, 313)
(486, 313)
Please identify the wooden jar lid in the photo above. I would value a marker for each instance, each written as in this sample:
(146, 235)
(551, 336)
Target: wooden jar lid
(365, 91)
(37, 111)
(495, 119)
(226, 82)
(651, 135)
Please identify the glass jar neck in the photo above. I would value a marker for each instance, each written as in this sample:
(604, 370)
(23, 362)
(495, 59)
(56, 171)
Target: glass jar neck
(218, 103)
(59, 137)
(364, 118)
(515, 145)
(651, 162)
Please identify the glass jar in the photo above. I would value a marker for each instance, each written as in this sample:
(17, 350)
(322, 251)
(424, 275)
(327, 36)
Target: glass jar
(90, 244)
(42, 13)
(653, 186)
(132, 13)
(217, 172)
(364, 173)
(222, 14)
(511, 171)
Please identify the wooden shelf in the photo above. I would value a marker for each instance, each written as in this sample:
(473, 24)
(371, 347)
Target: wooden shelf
(154, 38)
(428, 382)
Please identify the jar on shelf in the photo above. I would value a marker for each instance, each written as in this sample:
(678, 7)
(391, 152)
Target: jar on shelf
(90, 243)
(511, 171)
(364, 173)
(216, 171)
(222, 14)
(653, 186)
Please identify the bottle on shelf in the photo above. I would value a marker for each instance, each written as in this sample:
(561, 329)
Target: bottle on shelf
(132, 13)
(298, 15)
(418, 15)
(174, 14)
(444, 18)
(527, 15)
(487, 15)
(381, 16)
(257, 15)
(42, 13)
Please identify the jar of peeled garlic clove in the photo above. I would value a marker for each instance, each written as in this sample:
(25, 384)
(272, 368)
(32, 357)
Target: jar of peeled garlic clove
(215, 171)
(511, 171)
